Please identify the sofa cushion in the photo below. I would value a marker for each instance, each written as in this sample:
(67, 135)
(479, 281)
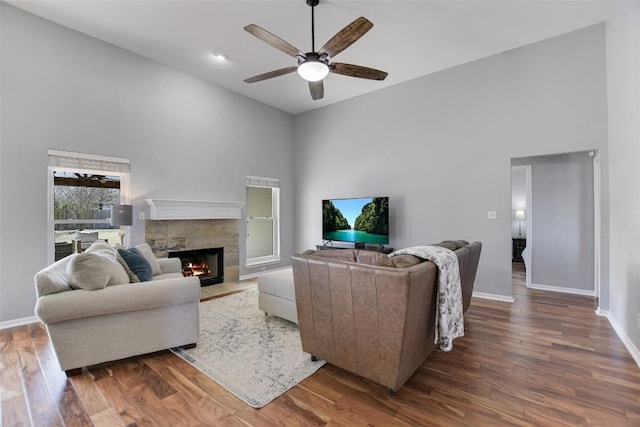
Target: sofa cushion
(137, 263)
(452, 244)
(447, 244)
(340, 254)
(278, 283)
(373, 258)
(165, 276)
(403, 261)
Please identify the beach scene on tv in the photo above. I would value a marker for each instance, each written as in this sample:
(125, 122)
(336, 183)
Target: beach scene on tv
(363, 220)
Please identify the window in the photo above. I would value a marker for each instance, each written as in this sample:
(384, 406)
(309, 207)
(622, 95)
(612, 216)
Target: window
(263, 223)
(83, 189)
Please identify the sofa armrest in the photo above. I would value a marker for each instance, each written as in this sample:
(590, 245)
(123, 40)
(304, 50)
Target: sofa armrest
(170, 265)
(81, 303)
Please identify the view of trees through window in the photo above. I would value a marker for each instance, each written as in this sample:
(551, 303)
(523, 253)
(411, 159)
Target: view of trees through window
(82, 203)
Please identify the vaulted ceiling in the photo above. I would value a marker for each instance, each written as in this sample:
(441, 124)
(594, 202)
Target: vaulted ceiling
(409, 39)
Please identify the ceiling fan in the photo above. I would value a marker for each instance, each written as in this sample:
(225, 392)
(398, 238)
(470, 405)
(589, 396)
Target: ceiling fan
(315, 65)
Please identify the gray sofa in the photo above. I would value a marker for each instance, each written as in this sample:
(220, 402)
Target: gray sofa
(87, 327)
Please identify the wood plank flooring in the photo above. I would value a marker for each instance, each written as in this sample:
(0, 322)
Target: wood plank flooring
(546, 360)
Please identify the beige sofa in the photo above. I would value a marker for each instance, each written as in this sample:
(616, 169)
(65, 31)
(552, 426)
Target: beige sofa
(370, 314)
(87, 327)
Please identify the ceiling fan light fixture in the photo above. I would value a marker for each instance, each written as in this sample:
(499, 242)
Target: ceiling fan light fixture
(313, 70)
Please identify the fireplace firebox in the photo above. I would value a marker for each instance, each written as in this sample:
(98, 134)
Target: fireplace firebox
(207, 264)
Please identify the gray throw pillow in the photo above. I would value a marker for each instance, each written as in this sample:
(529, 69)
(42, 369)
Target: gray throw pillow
(137, 263)
(132, 276)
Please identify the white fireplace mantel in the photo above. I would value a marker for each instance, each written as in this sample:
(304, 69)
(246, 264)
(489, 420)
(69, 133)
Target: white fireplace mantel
(193, 209)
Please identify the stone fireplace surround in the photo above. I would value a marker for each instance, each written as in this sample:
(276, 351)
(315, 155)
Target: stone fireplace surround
(183, 224)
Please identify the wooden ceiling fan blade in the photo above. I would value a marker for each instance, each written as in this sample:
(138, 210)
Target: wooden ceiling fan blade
(273, 40)
(357, 71)
(346, 37)
(316, 89)
(270, 74)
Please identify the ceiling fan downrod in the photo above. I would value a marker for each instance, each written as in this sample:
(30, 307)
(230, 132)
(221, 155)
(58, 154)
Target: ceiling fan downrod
(313, 4)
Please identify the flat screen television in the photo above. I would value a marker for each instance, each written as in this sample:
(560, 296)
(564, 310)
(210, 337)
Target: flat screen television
(363, 220)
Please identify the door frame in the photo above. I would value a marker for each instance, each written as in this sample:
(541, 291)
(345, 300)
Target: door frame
(597, 221)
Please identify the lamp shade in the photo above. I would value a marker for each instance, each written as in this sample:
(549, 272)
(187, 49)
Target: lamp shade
(520, 214)
(313, 68)
(122, 215)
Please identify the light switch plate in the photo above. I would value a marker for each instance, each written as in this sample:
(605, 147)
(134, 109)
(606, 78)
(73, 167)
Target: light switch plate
(492, 215)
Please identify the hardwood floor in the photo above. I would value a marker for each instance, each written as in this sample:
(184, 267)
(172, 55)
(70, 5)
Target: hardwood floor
(547, 359)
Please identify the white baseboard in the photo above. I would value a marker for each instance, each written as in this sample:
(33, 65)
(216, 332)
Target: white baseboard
(574, 291)
(495, 297)
(260, 273)
(18, 322)
(633, 350)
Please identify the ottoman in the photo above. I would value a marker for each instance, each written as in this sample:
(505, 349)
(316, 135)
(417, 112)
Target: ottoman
(277, 295)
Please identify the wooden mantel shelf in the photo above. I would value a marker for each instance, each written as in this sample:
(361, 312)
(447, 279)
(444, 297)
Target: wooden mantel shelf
(193, 209)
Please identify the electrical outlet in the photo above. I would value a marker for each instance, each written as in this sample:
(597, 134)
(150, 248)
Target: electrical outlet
(492, 215)
(141, 216)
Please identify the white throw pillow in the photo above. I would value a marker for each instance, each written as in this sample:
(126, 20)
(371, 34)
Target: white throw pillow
(146, 250)
(90, 271)
(100, 247)
(96, 268)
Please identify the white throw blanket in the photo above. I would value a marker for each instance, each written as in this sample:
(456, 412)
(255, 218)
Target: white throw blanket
(449, 319)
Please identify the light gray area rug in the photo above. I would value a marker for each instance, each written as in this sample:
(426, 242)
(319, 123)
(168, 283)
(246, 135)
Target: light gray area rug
(255, 357)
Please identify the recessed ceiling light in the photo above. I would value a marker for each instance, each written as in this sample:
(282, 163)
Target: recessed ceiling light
(219, 57)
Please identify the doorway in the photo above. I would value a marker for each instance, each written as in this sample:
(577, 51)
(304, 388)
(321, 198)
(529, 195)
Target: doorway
(520, 226)
(562, 247)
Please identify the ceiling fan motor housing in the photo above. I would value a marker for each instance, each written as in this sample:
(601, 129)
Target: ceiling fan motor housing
(314, 57)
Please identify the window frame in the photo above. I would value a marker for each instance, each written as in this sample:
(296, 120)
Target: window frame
(274, 185)
(82, 160)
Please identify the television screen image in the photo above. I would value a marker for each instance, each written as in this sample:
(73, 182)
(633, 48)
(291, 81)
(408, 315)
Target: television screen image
(358, 220)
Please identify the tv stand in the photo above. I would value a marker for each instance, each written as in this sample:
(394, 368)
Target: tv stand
(363, 246)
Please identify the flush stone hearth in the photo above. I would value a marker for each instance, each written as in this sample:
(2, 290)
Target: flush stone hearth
(172, 235)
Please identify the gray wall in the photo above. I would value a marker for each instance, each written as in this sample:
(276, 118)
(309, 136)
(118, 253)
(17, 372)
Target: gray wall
(562, 220)
(440, 146)
(623, 66)
(186, 139)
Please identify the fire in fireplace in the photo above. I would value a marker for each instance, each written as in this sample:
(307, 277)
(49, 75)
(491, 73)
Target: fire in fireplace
(206, 263)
